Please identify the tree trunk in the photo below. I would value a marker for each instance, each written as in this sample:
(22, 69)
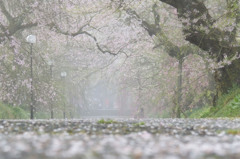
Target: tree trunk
(227, 77)
(179, 88)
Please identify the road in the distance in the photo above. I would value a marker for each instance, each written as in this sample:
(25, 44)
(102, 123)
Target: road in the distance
(121, 139)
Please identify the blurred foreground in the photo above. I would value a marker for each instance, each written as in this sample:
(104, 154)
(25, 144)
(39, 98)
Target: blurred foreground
(120, 138)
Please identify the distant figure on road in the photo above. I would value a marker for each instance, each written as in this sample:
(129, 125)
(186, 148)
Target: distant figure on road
(139, 114)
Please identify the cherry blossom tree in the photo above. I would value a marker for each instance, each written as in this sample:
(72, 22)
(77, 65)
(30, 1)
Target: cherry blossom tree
(201, 28)
(121, 38)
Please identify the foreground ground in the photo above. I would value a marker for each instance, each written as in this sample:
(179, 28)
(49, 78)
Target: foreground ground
(122, 139)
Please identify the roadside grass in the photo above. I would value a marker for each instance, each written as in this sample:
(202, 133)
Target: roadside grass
(228, 105)
(199, 113)
(11, 112)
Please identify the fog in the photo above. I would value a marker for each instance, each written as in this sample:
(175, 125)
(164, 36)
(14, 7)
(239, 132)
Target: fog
(74, 59)
(122, 79)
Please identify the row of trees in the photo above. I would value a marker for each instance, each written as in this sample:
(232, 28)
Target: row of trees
(170, 54)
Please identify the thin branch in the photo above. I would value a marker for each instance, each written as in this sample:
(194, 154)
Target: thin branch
(29, 25)
(81, 32)
(156, 16)
(97, 44)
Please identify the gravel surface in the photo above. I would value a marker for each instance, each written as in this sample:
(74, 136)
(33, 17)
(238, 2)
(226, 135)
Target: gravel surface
(120, 139)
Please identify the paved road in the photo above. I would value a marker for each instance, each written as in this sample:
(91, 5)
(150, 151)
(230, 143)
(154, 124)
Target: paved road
(121, 139)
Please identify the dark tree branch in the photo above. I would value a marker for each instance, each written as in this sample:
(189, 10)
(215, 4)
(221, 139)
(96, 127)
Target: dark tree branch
(199, 30)
(80, 31)
(155, 29)
(3, 28)
(234, 12)
(97, 44)
(15, 23)
(5, 12)
(173, 3)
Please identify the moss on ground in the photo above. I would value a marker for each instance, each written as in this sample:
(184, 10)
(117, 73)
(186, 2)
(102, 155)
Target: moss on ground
(233, 132)
(139, 124)
(109, 121)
